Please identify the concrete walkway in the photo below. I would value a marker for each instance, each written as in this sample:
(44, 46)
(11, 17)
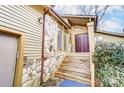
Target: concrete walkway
(69, 83)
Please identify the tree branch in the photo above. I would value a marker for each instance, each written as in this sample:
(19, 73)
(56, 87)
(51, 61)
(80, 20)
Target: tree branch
(103, 14)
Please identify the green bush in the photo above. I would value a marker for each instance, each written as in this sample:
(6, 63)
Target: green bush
(109, 64)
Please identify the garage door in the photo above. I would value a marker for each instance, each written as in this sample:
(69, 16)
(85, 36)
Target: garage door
(8, 48)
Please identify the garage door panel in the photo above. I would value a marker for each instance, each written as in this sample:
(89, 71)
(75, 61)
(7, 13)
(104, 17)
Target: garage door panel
(8, 48)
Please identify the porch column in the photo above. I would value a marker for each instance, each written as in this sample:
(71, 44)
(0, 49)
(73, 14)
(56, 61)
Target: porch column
(90, 26)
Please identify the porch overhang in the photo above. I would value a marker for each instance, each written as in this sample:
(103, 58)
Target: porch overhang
(80, 20)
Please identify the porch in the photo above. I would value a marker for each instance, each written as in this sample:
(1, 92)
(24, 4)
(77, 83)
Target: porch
(76, 64)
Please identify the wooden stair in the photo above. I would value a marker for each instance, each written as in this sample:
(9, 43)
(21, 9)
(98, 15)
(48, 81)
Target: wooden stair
(75, 67)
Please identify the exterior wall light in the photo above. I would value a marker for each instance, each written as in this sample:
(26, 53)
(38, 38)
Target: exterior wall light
(40, 20)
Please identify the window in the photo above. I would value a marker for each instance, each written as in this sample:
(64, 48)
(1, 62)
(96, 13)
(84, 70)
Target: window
(65, 42)
(59, 40)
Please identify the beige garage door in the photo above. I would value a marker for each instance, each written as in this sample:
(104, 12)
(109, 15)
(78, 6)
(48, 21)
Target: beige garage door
(8, 48)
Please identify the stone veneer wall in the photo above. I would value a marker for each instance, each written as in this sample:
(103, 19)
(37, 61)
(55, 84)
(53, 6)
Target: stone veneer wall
(52, 56)
(32, 70)
(31, 73)
(51, 65)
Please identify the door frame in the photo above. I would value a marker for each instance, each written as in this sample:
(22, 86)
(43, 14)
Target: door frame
(75, 41)
(17, 82)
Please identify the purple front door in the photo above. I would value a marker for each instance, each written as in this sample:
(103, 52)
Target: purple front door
(82, 43)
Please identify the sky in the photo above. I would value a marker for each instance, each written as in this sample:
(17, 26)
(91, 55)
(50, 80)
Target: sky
(112, 21)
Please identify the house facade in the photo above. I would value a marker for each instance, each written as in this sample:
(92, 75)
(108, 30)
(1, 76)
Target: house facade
(24, 27)
(35, 40)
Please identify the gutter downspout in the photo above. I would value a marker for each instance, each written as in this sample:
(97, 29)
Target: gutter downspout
(42, 52)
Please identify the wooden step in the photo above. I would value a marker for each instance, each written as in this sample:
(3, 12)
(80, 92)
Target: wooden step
(79, 60)
(80, 57)
(86, 75)
(74, 70)
(75, 66)
(79, 54)
(74, 78)
(76, 61)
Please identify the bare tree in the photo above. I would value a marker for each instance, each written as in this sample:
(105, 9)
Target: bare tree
(98, 10)
(103, 11)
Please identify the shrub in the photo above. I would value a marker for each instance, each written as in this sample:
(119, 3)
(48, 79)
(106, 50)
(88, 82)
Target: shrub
(109, 64)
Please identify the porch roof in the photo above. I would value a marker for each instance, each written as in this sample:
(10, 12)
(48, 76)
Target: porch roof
(53, 12)
(56, 15)
(80, 19)
(110, 33)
